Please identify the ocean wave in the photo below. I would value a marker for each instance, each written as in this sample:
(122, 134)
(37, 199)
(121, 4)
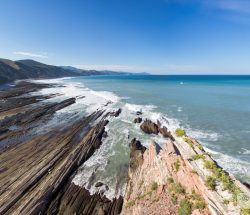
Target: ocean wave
(109, 96)
(203, 135)
(142, 108)
(245, 151)
(179, 109)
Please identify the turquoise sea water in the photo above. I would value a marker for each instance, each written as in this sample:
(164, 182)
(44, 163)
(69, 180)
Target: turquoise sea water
(213, 109)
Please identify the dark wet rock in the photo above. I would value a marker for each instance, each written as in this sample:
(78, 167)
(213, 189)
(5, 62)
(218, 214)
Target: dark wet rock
(138, 113)
(136, 154)
(98, 184)
(97, 204)
(158, 123)
(149, 127)
(35, 114)
(22, 87)
(105, 134)
(138, 120)
(165, 133)
(116, 113)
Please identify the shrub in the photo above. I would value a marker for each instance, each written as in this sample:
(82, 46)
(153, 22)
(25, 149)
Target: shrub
(154, 186)
(185, 207)
(235, 194)
(209, 164)
(217, 172)
(210, 182)
(200, 147)
(200, 205)
(142, 196)
(179, 132)
(198, 156)
(131, 203)
(195, 196)
(177, 188)
(174, 199)
(244, 211)
(226, 201)
(177, 165)
(170, 180)
(227, 182)
(187, 140)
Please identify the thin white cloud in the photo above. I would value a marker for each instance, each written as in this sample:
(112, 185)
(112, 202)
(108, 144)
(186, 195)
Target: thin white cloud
(33, 55)
(235, 6)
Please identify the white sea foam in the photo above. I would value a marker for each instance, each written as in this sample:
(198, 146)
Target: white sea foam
(179, 109)
(203, 135)
(142, 108)
(245, 151)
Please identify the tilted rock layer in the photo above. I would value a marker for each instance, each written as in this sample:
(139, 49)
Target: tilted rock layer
(172, 180)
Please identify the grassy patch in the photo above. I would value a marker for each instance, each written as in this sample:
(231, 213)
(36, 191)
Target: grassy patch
(174, 199)
(176, 165)
(226, 201)
(185, 207)
(200, 147)
(170, 180)
(177, 188)
(154, 186)
(244, 211)
(198, 156)
(209, 164)
(131, 203)
(180, 132)
(210, 183)
(200, 205)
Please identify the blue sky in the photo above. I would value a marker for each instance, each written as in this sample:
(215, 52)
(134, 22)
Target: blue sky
(157, 36)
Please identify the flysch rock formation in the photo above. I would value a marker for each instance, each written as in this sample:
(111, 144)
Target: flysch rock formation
(37, 168)
(174, 180)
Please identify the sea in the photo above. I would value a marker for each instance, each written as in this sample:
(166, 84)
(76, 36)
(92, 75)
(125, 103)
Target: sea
(214, 109)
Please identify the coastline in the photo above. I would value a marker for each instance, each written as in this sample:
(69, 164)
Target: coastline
(25, 115)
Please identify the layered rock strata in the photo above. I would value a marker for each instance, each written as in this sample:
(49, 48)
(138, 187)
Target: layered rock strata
(37, 171)
(174, 180)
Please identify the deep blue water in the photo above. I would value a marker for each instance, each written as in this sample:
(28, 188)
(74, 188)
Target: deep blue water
(214, 109)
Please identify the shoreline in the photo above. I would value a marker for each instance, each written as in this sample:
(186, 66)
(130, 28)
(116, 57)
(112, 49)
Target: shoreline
(26, 114)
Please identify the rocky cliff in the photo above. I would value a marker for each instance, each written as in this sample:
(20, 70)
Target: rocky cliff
(180, 178)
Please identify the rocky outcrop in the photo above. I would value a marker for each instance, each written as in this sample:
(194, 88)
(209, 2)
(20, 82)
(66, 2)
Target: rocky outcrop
(37, 172)
(138, 120)
(149, 127)
(165, 133)
(174, 179)
(116, 113)
(136, 155)
(138, 113)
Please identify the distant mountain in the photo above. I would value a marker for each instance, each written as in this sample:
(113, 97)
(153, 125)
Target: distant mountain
(26, 69)
(95, 72)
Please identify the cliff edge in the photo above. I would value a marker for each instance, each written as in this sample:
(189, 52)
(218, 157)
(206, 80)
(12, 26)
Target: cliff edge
(180, 178)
